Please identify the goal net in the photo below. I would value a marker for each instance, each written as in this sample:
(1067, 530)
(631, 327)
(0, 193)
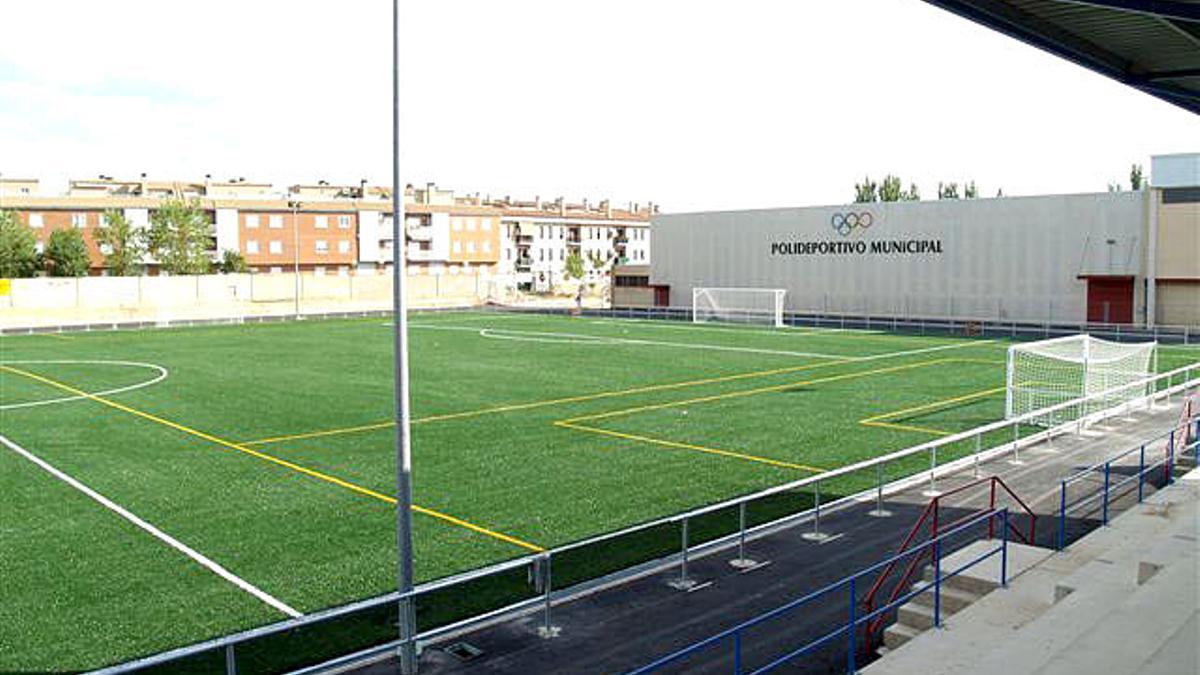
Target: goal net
(738, 305)
(1044, 373)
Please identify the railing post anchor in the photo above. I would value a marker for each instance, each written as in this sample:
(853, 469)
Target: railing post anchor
(932, 491)
(816, 535)
(741, 562)
(547, 630)
(684, 582)
(1016, 456)
(879, 511)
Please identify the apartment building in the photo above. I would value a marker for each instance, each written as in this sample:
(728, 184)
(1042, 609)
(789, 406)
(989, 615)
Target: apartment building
(341, 229)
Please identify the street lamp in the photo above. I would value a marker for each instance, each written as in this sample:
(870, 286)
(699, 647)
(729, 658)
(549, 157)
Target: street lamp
(295, 206)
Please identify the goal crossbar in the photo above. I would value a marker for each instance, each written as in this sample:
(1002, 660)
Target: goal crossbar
(738, 305)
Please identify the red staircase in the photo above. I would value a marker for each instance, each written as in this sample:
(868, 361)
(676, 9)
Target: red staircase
(930, 520)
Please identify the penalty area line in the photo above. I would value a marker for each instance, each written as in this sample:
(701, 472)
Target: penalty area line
(205, 561)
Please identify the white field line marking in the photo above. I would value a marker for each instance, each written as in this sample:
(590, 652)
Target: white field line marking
(594, 339)
(157, 533)
(785, 331)
(162, 375)
(926, 350)
(577, 338)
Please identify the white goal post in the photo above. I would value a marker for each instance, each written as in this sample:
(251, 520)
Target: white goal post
(738, 305)
(1044, 373)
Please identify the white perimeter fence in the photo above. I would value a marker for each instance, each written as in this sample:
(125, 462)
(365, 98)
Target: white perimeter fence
(48, 301)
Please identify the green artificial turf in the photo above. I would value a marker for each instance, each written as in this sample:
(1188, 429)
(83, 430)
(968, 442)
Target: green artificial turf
(541, 429)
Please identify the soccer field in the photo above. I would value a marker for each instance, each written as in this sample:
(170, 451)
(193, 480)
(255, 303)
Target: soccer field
(266, 451)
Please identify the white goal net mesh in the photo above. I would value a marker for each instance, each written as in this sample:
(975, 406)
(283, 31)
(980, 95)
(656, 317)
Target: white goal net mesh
(738, 305)
(1042, 374)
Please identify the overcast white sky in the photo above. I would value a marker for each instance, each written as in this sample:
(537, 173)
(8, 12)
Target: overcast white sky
(694, 105)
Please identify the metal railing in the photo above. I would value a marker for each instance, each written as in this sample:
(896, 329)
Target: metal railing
(931, 516)
(1103, 496)
(934, 325)
(565, 571)
(733, 637)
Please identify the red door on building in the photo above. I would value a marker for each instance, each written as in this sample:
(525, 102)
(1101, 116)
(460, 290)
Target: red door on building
(662, 296)
(1110, 300)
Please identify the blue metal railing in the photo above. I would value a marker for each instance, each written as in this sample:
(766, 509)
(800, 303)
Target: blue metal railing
(1108, 487)
(734, 636)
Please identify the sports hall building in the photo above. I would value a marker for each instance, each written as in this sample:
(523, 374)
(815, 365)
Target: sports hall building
(1111, 257)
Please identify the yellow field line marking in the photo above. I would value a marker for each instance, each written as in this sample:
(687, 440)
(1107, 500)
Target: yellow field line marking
(573, 423)
(906, 427)
(688, 446)
(274, 460)
(878, 420)
(758, 390)
(319, 434)
(935, 404)
(551, 402)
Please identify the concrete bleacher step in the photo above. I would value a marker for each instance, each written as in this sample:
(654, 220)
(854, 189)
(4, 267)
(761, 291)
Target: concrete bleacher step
(953, 599)
(959, 591)
(1122, 600)
(897, 635)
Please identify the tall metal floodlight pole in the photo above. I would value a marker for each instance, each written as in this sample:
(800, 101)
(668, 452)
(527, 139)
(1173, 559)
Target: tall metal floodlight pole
(295, 206)
(404, 537)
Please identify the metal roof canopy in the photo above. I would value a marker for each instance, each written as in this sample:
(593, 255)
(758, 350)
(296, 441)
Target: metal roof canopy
(1151, 45)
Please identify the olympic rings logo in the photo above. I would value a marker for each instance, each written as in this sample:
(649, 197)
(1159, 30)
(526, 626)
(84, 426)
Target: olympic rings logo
(845, 223)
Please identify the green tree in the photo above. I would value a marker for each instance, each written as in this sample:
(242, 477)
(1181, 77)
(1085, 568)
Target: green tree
(913, 194)
(1135, 177)
(18, 248)
(232, 262)
(574, 266)
(179, 237)
(123, 244)
(947, 190)
(866, 191)
(970, 191)
(890, 190)
(67, 254)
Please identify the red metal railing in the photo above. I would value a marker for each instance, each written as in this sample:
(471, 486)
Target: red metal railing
(930, 515)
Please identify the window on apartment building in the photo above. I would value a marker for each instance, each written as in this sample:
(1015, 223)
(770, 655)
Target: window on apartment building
(485, 224)
(319, 270)
(562, 232)
(343, 271)
(541, 255)
(321, 246)
(275, 222)
(275, 247)
(276, 269)
(106, 249)
(470, 247)
(79, 220)
(321, 222)
(344, 222)
(561, 253)
(456, 223)
(487, 247)
(40, 247)
(35, 220)
(252, 246)
(471, 224)
(457, 247)
(251, 222)
(344, 246)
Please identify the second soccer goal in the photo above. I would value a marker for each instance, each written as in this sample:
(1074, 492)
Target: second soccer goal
(738, 305)
(1044, 373)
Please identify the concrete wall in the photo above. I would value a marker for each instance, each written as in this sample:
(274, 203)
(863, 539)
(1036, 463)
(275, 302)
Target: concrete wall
(50, 301)
(1005, 259)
